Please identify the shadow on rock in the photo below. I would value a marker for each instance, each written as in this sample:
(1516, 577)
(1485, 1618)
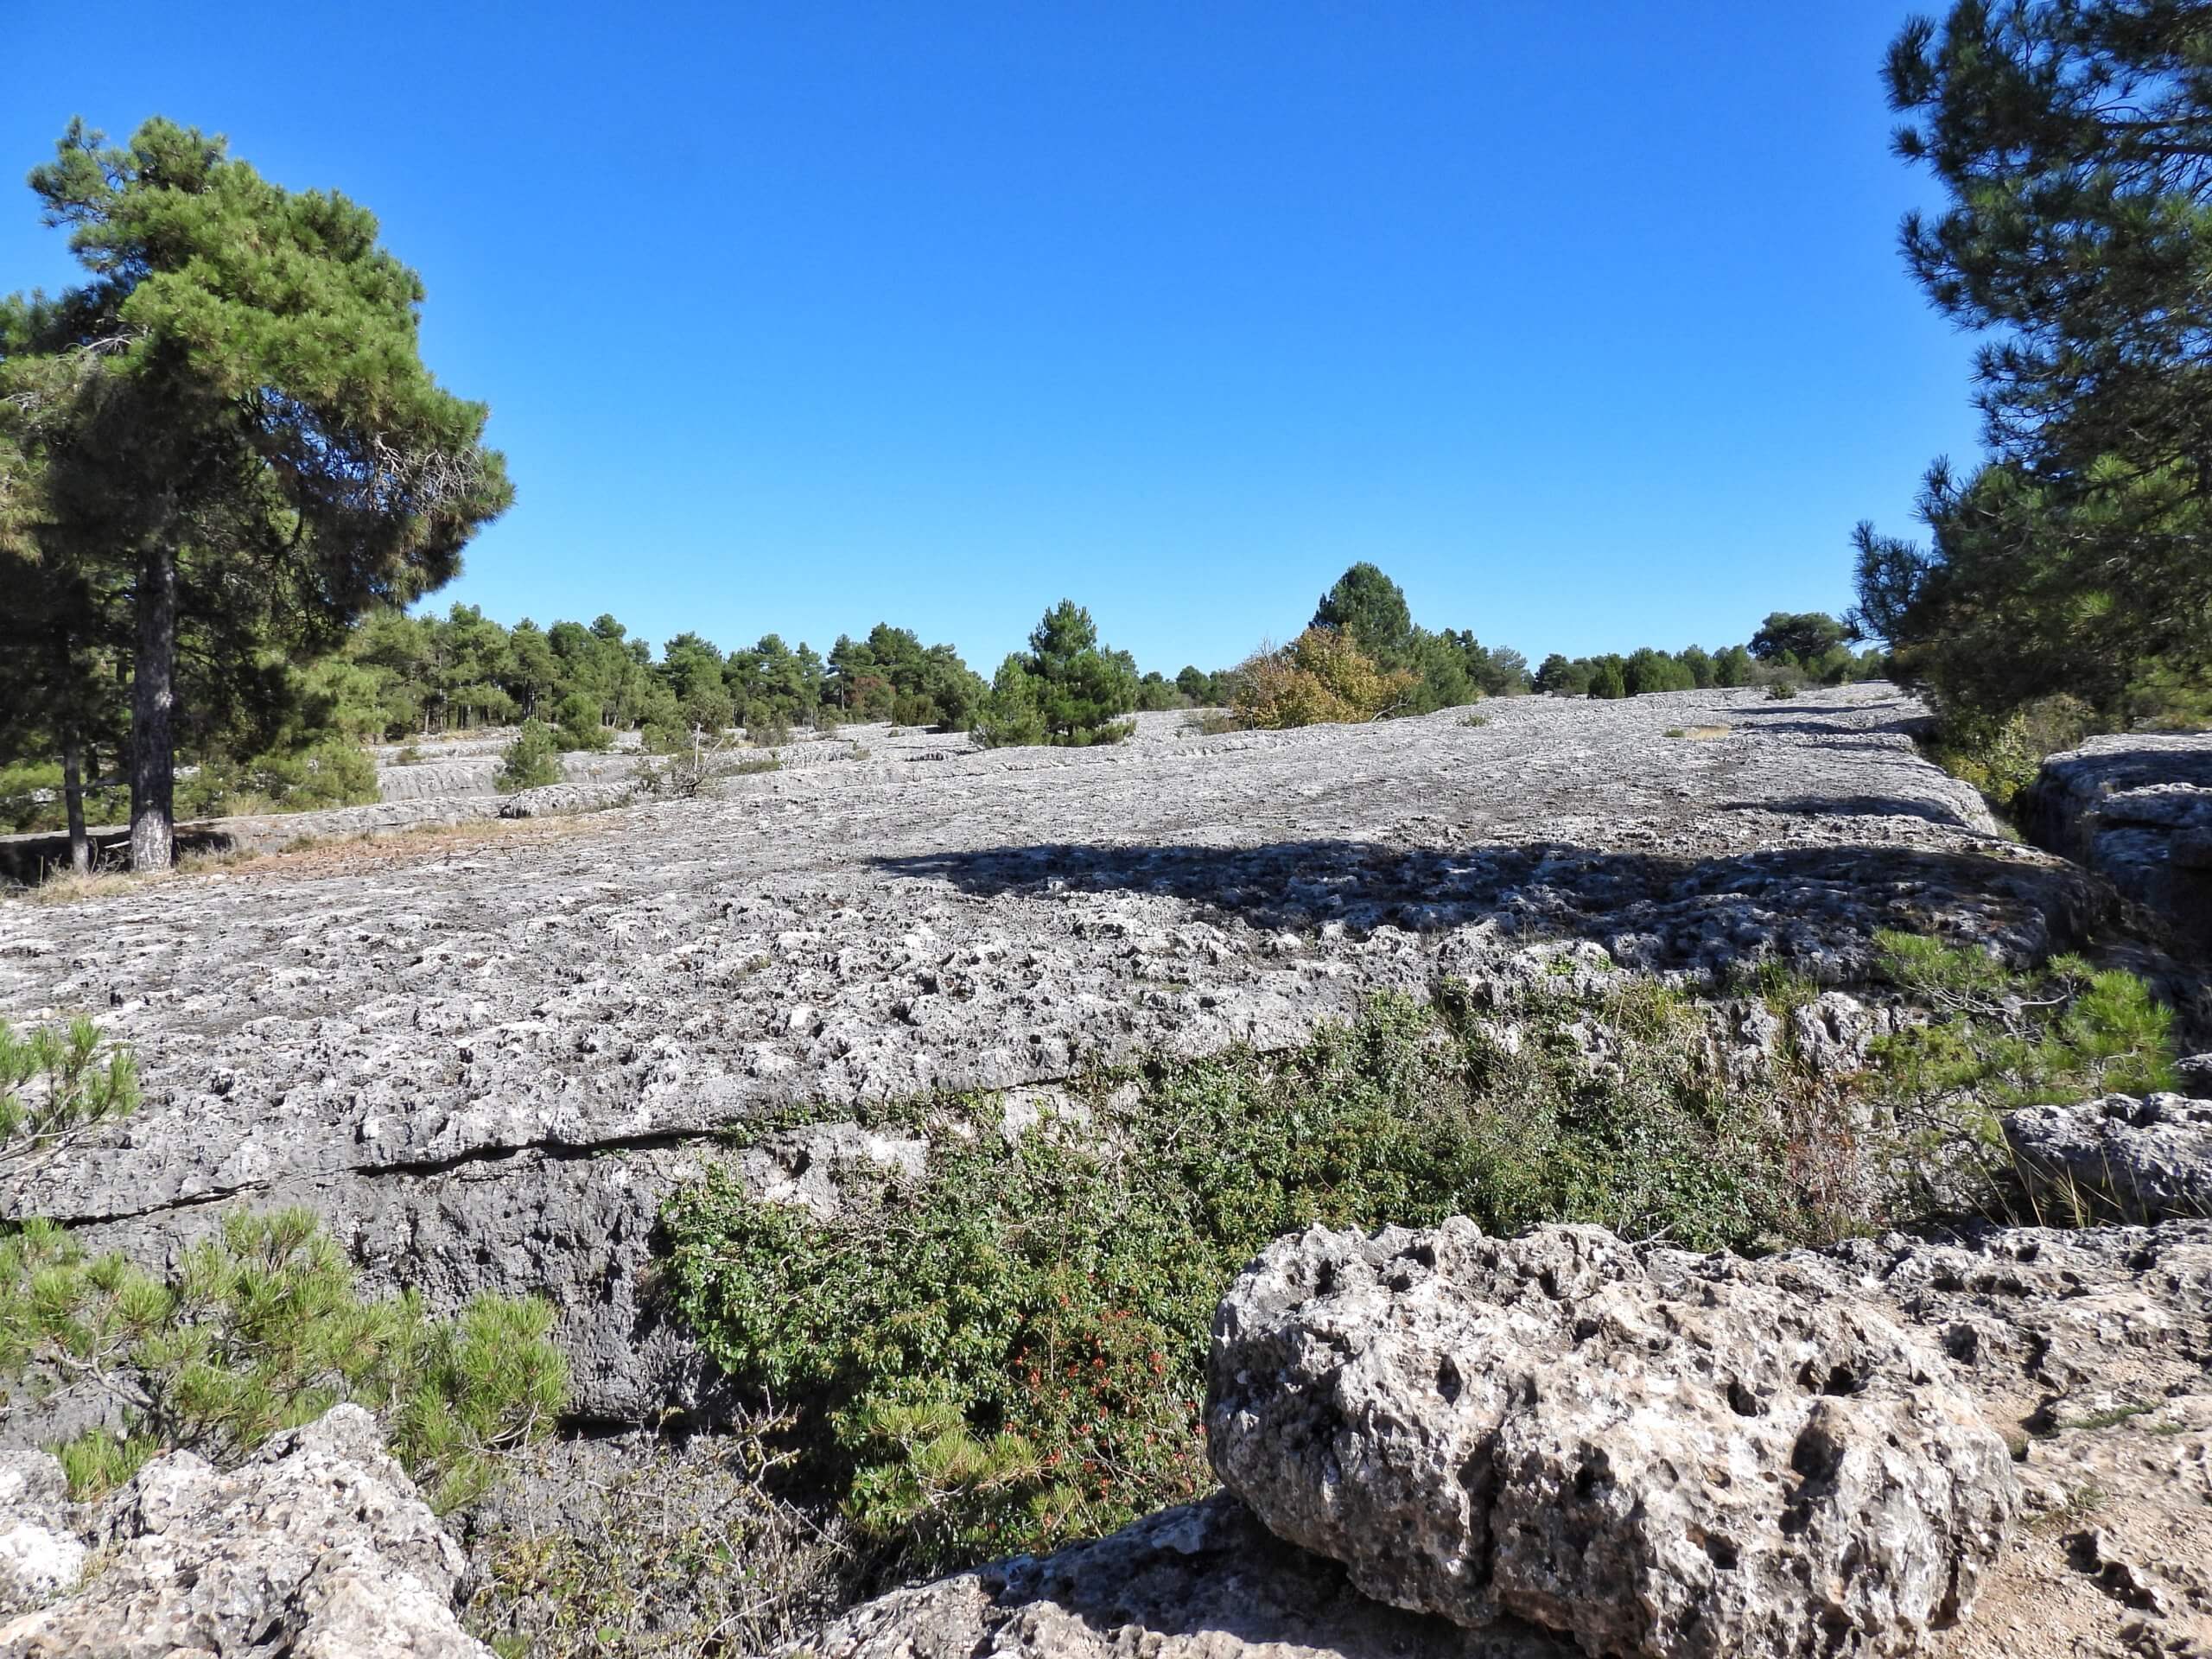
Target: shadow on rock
(1818, 904)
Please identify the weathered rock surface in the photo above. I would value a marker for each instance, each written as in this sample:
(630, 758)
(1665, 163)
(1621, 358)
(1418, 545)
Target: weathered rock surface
(2142, 1160)
(2137, 808)
(1205, 1582)
(319, 1548)
(1655, 1460)
(40, 1554)
(2090, 1349)
(486, 1069)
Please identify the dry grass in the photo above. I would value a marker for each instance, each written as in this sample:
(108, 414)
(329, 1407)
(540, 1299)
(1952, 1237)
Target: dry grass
(311, 856)
(1704, 733)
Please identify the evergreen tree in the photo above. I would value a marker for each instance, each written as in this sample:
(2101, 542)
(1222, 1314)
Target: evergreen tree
(2070, 136)
(1371, 609)
(247, 428)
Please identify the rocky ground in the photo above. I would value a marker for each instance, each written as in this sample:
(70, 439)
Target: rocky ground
(487, 1062)
(487, 1067)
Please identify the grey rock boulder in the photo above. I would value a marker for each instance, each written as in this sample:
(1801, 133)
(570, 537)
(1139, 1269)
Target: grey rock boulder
(1205, 1582)
(1648, 1453)
(319, 1549)
(2146, 1160)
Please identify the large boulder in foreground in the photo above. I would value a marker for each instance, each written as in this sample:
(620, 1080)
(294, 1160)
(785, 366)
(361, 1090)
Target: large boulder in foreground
(319, 1549)
(2144, 1160)
(1651, 1457)
(1204, 1581)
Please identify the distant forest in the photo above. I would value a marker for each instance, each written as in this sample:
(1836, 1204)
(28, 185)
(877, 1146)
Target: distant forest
(298, 741)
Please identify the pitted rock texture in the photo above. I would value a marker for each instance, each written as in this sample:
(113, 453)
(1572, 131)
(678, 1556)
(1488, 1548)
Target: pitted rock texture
(1652, 1461)
(319, 1548)
(2144, 1160)
(1205, 1582)
(2092, 1351)
(40, 1554)
(2137, 808)
(486, 1068)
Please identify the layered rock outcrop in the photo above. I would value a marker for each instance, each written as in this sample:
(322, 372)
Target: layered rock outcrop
(2137, 808)
(319, 1548)
(2140, 1160)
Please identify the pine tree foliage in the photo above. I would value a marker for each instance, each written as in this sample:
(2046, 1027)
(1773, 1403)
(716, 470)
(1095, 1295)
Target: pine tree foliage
(261, 1329)
(231, 417)
(2073, 139)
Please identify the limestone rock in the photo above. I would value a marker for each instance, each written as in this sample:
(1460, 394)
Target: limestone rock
(2145, 1159)
(40, 1554)
(1205, 1582)
(318, 1548)
(486, 1068)
(2137, 808)
(1653, 1458)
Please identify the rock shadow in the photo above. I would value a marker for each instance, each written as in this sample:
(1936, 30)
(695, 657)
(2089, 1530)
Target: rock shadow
(1650, 908)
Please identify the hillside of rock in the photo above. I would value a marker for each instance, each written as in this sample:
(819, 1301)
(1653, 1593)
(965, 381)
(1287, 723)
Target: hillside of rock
(486, 1068)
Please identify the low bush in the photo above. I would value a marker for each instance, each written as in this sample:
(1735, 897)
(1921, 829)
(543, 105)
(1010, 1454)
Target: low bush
(1781, 689)
(2000, 757)
(532, 761)
(1010, 1353)
(1995, 1039)
(1320, 678)
(258, 1330)
(668, 1548)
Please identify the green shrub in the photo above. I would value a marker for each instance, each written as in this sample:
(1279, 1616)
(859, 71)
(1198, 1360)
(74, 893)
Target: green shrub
(261, 1330)
(1010, 1353)
(57, 1080)
(1995, 1040)
(1781, 689)
(577, 725)
(532, 761)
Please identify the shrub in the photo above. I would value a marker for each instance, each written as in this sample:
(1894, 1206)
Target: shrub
(1781, 689)
(532, 761)
(58, 1081)
(1011, 1353)
(678, 1548)
(766, 726)
(1996, 1040)
(1320, 678)
(2002, 757)
(259, 1330)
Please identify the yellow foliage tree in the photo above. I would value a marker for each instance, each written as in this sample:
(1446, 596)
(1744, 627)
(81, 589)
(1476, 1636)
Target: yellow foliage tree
(1320, 678)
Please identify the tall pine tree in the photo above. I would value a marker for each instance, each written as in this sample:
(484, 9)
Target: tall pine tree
(246, 433)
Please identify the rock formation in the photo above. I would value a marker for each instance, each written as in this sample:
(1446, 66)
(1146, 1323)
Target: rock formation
(2137, 808)
(488, 1069)
(1653, 1461)
(2141, 1160)
(318, 1548)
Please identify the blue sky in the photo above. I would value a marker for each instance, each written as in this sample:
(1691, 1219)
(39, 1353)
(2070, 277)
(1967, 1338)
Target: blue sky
(1587, 323)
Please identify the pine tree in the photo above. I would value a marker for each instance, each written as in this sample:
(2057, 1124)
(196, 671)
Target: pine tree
(246, 431)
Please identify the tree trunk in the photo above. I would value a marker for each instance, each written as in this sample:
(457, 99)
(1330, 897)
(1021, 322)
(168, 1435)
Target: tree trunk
(73, 802)
(153, 701)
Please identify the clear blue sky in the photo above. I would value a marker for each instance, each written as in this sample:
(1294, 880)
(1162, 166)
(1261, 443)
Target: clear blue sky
(1587, 323)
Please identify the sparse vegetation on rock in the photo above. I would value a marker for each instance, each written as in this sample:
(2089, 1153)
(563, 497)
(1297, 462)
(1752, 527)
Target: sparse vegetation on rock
(259, 1328)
